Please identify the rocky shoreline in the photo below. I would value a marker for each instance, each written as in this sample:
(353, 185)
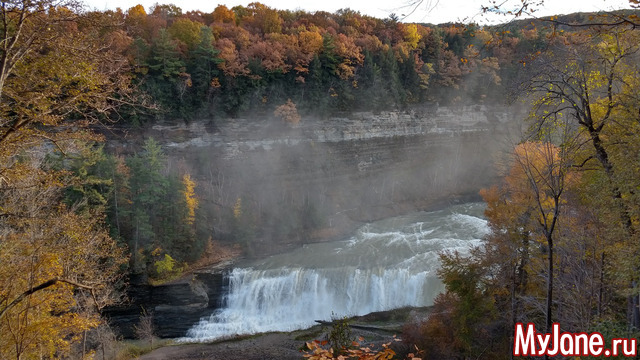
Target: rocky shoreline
(376, 329)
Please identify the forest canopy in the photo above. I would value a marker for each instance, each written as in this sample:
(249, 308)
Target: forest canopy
(256, 58)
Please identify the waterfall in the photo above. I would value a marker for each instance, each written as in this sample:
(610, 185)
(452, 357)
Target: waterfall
(388, 264)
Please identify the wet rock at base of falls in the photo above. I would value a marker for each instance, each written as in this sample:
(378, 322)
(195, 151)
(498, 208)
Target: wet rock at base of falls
(175, 307)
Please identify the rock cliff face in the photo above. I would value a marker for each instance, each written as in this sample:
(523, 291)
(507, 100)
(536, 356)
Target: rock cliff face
(324, 176)
(175, 307)
(317, 181)
(238, 135)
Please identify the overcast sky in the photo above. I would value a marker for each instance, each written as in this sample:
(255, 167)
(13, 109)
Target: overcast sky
(430, 11)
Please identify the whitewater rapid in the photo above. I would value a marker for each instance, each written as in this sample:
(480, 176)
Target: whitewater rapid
(388, 264)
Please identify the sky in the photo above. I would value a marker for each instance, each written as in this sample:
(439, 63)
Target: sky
(430, 11)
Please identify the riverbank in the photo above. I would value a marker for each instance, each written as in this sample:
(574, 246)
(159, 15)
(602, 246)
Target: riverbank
(376, 328)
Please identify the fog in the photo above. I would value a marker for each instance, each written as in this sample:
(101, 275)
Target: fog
(323, 178)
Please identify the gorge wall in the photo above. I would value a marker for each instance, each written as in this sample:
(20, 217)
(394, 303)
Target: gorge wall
(323, 177)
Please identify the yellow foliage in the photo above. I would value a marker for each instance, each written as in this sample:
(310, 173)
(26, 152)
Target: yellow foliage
(45, 250)
(58, 267)
(157, 251)
(186, 31)
(222, 14)
(190, 198)
(411, 35)
(165, 266)
(237, 209)
(310, 42)
(137, 12)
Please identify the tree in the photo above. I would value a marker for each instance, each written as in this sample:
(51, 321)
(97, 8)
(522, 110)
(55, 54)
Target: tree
(463, 314)
(593, 83)
(116, 171)
(60, 265)
(162, 210)
(288, 113)
(167, 12)
(269, 20)
(190, 198)
(186, 31)
(87, 192)
(203, 68)
(135, 21)
(589, 84)
(510, 250)
(145, 329)
(100, 181)
(165, 60)
(222, 14)
(539, 175)
(390, 73)
(60, 70)
(54, 65)
(411, 35)
(166, 79)
(148, 188)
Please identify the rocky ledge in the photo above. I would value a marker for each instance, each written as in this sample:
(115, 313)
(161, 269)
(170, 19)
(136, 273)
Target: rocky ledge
(174, 306)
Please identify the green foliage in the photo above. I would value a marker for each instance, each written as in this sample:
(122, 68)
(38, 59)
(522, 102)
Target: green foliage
(146, 207)
(186, 31)
(166, 268)
(203, 70)
(254, 58)
(92, 186)
(148, 188)
(614, 329)
(165, 80)
(473, 307)
(340, 338)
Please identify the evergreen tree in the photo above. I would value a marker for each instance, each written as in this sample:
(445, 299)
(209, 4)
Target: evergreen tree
(166, 80)
(148, 188)
(410, 80)
(390, 73)
(370, 87)
(203, 69)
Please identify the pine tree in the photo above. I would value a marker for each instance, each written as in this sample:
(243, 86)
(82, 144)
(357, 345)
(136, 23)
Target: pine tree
(203, 69)
(148, 188)
(166, 76)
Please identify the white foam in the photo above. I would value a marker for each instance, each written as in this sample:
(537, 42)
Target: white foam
(387, 265)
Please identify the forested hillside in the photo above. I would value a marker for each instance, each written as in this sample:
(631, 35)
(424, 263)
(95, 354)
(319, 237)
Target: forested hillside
(256, 58)
(76, 220)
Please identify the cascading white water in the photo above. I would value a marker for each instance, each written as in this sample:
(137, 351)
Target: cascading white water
(388, 264)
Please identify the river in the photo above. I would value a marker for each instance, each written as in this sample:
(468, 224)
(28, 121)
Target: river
(386, 265)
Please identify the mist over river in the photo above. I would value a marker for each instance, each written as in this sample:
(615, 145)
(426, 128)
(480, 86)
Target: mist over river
(387, 264)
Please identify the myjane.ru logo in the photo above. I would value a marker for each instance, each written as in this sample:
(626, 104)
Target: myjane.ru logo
(530, 342)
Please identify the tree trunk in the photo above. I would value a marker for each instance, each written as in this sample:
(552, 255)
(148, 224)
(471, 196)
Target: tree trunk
(84, 343)
(549, 283)
(603, 157)
(115, 201)
(549, 288)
